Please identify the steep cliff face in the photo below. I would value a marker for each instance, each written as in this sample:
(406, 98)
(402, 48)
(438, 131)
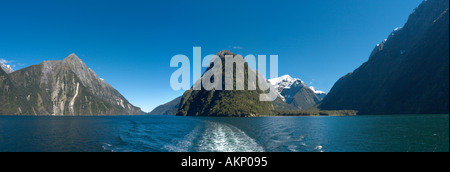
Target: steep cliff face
(407, 73)
(237, 103)
(64, 87)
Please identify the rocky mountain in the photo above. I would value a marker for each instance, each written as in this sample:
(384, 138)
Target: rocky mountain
(295, 93)
(300, 96)
(283, 82)
(170, 108)
(407, 73)
(239, 103)
(286, 81)
(319, 93)
(6, 68)
(65, 87)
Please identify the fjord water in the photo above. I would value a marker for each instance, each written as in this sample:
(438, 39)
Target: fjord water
(397, 133)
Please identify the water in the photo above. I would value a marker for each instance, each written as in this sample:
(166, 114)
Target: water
(399, 133)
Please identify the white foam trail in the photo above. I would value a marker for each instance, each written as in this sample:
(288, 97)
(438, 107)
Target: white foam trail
(107, 147)
(319, 148)
(220, 137)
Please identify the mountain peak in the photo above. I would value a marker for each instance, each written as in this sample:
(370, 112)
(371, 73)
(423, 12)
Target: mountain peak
(316, 91)
(286, 82)
(223, 53)
(72, 58)
(6, 68)
(219, 102)
(77, 65)
(63, 87)
(283, 81)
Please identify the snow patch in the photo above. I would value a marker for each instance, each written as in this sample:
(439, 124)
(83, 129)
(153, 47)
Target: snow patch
(316, 91)
(6, 68)
(397, 29)
(283, 82)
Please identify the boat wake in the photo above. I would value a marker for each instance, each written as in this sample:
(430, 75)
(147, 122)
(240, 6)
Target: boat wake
(203, 136)
(219, 137)
(214, 137)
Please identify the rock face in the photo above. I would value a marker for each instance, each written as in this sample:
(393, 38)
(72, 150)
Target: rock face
(170, 108)
(57, 88)
(300, 96)
(295, 94)
(408, 73)
(238, 103)
(283, 82)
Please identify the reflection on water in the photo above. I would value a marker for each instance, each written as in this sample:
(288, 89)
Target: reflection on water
(191, 134)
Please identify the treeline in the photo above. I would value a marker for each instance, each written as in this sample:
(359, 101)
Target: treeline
(315, 112)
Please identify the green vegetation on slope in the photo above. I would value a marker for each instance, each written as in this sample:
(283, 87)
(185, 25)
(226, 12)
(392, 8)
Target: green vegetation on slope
(230, 103)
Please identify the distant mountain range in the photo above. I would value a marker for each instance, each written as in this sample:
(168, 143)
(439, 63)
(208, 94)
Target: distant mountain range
(65, 87)
(293, 94)
(407, 73)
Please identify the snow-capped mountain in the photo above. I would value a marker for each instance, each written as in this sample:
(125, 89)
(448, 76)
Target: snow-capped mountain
(283, 82)
(319, 93)
(6, 68)
(286, 82)
(316, 91)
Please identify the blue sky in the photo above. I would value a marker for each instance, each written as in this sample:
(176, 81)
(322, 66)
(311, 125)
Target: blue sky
(130, 43)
